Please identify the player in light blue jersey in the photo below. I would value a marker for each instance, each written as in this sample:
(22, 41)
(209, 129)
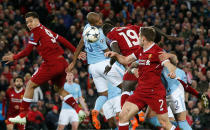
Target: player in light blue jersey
(112, 107)
(97, 62)
(68, 114)
(175, 99)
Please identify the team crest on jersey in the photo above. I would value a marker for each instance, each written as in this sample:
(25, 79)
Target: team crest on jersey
(150, 55)
(31, 37)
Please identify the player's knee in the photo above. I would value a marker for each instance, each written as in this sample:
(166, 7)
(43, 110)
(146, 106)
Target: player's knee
(75, 126)
(31, 85)
(123, 116)
(60, 127)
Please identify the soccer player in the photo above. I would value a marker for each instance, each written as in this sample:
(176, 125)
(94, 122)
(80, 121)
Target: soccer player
(150, 89)
(97, 62)
(13, 98)
(175, 97)
(53, 67)
(111, 108)
(125, 41)
(68, 114)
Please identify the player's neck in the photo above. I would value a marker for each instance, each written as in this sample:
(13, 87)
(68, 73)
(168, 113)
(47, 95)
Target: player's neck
(18, 89)
(70, 82)
(147, 45)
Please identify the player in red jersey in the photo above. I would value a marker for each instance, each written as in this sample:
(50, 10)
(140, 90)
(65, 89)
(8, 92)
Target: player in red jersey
(53, 67)
(13, 98)
(150, 89)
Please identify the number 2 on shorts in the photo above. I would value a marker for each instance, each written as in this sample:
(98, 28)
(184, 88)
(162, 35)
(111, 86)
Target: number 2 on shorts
(161, 105)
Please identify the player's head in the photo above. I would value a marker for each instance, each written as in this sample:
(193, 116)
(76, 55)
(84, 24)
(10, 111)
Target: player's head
(107, 28)
(146, 34)
(19, 81)
(32, 20)
(94, 19)
(70, 77)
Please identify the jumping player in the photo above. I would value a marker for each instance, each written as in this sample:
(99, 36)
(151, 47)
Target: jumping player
(53, 67)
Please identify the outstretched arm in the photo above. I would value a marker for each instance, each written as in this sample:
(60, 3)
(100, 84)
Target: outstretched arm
(173, 58)
(115, 48)
(171, 68)
(66, 43)
(124, 60)
(25, 52)
(76, 54)
(84, 105)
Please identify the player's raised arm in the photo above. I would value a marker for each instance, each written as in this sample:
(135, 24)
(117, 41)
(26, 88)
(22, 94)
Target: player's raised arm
(171, 68)
(76, 54)
(125, 60)
(66, 43)
(25, 52)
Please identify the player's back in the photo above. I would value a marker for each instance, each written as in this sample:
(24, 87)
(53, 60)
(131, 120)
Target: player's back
(15, 99)
(95, 50)
(127, 38)
(45, 41)
(75, 90)
(172, 84)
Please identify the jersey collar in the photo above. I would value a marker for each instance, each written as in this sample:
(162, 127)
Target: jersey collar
(149, 47)
(18, 91)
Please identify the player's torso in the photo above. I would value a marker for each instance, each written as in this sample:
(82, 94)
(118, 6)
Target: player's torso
(172, 84)
(47, 46)
(15, 98)
(149, 67)
(127, 38)
(94, 50)
(74, 89)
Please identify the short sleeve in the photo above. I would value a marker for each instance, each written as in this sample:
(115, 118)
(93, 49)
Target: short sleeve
(34, 38)
(184, 77)
(158, 54)
(110, 39)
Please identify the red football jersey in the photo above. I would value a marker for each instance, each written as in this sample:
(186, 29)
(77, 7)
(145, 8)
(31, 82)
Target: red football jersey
(15, 98)
(45, 41)
(150, 68)
(126, 37)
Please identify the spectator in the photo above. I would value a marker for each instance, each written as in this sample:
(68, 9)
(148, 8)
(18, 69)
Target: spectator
(52, 118)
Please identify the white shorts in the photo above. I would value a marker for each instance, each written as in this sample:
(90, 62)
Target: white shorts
(68, 116)
(115, 75)
(176, 100)
(111, 107)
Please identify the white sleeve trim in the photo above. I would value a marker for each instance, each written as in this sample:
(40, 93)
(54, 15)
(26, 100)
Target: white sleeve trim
(56, 36)
(123, 124)
(133, 55)
(67, 97)
(112, 42)
(34, 43)
(164, 62)
(27, 99)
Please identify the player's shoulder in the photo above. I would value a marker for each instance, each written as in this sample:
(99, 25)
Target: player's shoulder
(76, 84)
(157, 48)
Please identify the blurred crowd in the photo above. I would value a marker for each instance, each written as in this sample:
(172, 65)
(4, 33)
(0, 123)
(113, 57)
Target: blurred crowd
(188, 20)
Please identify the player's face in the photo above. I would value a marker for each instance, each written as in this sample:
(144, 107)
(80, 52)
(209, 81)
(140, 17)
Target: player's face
(18, 83)
(70, 77)
(99, 22)
(32, 22)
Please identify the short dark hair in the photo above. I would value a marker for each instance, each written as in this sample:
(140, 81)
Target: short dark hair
(32, 14)
(18, 77)
(148, 32)
(107, 28)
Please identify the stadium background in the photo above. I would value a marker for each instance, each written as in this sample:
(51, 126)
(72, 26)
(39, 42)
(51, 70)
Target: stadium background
(188, 20)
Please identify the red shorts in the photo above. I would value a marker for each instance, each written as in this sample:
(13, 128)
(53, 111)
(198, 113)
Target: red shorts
(53, 70)
(128, 76)
(156, 100)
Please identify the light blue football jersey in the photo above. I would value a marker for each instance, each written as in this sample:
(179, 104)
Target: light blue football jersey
(113, 91)
(75, 90)
(95, 50)
(172, 84)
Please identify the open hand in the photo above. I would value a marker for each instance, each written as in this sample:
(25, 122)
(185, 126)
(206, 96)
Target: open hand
(164, 56)
(82, 56)
(8, 58)
(110, 54)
